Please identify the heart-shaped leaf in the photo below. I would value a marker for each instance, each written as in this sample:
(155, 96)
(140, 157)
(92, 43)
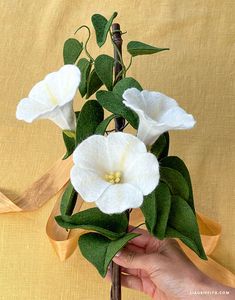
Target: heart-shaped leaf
(101, 128)
(177, 164)
(99, 250)
(112, 226)
(68, 200)
(156, 209)
(93, 84)
(182, 223)
(125, 84)
(69, 141)
(138, 48)
(84, 66)
(104, 69)
(113, 103)
(91, 115)
(175, 181)
(102, 26)
(161, 147)
(72, 50)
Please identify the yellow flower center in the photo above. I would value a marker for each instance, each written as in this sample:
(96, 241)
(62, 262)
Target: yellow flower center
(113, 177)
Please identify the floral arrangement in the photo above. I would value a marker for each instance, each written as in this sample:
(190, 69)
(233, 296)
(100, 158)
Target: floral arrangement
(116, 170)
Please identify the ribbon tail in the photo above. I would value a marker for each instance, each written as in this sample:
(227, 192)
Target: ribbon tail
(64, 242)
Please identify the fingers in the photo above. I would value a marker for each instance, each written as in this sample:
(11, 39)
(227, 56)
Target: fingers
(133, 260)
(142, 240)
(134, 282)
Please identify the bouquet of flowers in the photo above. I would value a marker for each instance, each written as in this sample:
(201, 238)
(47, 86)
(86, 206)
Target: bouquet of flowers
(117, 171)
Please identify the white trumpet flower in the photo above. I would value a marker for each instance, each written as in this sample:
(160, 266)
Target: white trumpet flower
(115, 171)
(52, 98)
(157, 113)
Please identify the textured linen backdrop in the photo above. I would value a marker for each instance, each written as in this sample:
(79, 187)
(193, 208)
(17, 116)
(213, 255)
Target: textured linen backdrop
(198, 71)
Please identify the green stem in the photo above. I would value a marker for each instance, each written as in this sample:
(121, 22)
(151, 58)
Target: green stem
(119, 55)
(85, 46)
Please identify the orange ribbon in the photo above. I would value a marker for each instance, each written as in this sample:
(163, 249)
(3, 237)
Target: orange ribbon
(65, 242)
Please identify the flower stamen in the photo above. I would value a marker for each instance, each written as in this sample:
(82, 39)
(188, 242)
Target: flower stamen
(113, 177)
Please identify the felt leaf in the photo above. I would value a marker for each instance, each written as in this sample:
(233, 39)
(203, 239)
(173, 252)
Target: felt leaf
(101, 128)
(182, 223)
(161, 147)
(163, 199)
(89, 118)
(104, 69)
(84, 66)
(156, 209)
(69, 141)
(112, 226)
(125, 84)
(102, 26)
(72, 50)
(113, 103)
(149, 210)
(68, 200)
(99, 250)
(138, 48)
(175, 181)
(177, 164)
(93, 84)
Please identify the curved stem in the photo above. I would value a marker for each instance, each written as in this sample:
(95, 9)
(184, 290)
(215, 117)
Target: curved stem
(85, 46)
(130, 63)
(119, 55)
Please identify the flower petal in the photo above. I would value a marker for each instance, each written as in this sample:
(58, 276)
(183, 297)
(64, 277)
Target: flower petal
(122, 147)
(92, 155)
(29, 110)
(143, 173)
(119, 197)
(177, 118)
(87, 183)
(63, 116)
(62, 85)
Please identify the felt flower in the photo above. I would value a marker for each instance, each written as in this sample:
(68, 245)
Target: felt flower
(157, 114)
(52, 98)
(115, 171)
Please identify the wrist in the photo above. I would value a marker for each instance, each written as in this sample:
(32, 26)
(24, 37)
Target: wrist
(204, 286)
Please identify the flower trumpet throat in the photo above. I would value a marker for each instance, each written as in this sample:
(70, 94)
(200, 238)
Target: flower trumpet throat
(113, 177)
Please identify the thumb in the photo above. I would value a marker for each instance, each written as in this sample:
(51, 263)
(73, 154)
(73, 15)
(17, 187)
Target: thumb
(133, 260)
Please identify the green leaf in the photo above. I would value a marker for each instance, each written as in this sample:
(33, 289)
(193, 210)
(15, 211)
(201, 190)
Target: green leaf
(177, 164)
(163, 199)
(68, 200)
(69, 141)
(112, 226)
(149, 210)
(104, 69)
(175, 181)
(182, 223)
(125, 84)
(89, 118)
(93, 84)
(161, 147)
(138, 48)
(103, 125)
(102, 26)
(72, 50)
(113, 103)
(84, 66)
(99, 250)
(156, 209)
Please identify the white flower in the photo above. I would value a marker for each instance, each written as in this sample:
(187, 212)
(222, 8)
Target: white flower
(52, 98)
(114, 172)
(157, 114)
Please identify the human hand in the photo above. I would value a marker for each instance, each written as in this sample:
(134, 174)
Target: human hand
(162, 270)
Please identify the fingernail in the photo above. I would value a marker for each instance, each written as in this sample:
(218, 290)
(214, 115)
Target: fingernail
(118, 254)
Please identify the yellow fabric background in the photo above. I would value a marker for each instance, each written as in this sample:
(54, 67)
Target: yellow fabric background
(198, 72)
